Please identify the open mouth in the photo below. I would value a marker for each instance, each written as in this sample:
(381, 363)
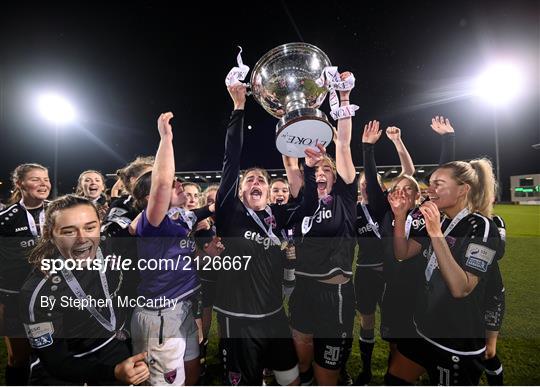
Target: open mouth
(81, 252)
(321, 185)
(280, 200)
(256, 194)
(93, 189)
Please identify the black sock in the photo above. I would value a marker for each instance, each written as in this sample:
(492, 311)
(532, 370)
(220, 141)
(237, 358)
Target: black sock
(494, 371)
(306, 378)
(391, 380)
(203, 346)
(367, 342)
(17, 376)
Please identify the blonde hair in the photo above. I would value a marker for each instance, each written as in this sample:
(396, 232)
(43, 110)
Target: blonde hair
(18, 175)
(210, 188)
(409, 178)
(45, 247)
(79, 190)
(478, 175)
(134, 169)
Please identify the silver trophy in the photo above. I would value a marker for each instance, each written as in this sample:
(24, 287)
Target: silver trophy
(283, 83)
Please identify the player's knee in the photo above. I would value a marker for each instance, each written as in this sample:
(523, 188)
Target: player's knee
(302, 338)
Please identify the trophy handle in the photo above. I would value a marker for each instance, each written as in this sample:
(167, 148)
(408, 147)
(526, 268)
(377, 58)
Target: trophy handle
(248, 89)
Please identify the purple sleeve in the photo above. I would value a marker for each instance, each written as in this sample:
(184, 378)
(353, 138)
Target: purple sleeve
(166, 228)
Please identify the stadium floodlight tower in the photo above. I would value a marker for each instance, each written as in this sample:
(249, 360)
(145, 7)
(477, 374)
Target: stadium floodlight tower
(499, 84)
(58, 111)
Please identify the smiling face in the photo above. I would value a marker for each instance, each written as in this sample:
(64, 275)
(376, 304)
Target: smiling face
(279, 192)
(254, 190)
(409, 189)
(75, 232)
(35, 186)
(445, 191)
(92, 185)
(325, 178)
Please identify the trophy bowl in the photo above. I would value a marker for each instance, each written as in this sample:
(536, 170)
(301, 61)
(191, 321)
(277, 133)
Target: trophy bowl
(283, 82)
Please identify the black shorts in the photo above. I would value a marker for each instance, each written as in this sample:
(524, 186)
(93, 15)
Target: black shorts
(369, 288)
(327, 312)
(443, 367)
(249, 345)
(208, 293)
(398, 302)
(10, 324)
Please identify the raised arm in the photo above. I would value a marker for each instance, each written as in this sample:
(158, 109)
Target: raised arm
(228, 187)
(442, 126)
(374, 190)
(407, 166)
(162, 174)
(308, 205)
(294, 175)
(344, 163)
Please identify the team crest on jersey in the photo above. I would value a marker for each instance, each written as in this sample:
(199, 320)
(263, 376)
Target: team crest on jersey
(170, 376)
(234, 378)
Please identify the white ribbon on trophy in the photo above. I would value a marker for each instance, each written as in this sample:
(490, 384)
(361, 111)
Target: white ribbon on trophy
(330, 77)
(237, 73)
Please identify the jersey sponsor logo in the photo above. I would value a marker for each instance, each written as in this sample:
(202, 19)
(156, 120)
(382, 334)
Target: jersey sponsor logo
(170, 376)
(323, 215)
(28, 243)
(479, 257)
(19, 229)
(39, 335)
(235, 378)
(258, 238)
(368, 228)
(418, 224)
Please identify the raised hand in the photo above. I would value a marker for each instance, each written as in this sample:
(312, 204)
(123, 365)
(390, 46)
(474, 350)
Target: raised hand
(431, 214)
(164, 127)
(214, 247)
(441, 125)
(371, 132)
(238, 95)
(393, 133)
(398, 203)
(344, 95)
(314, 155)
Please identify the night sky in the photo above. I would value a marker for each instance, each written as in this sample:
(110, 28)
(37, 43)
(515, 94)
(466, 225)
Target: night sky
(123, 63)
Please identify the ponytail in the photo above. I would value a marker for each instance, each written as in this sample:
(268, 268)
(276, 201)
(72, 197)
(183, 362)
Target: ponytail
(478, 175)
(482, 195)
